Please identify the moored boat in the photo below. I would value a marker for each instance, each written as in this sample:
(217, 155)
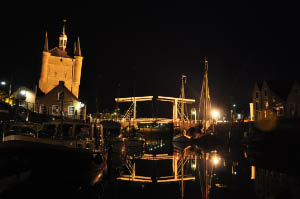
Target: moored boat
(70, 154)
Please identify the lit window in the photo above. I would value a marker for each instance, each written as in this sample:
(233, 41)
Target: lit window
(55, 110)
(71, 110)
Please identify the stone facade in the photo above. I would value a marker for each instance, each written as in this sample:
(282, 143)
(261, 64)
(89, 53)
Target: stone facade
(57, 66)
(279, 99)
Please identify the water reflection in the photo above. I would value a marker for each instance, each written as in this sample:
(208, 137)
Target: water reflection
(181, 170)
(154, 168)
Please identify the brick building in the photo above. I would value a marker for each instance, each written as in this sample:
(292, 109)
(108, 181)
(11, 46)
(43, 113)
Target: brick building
(61, 98)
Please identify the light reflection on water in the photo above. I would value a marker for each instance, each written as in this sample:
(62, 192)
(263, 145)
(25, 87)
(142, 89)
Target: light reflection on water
(162, 169)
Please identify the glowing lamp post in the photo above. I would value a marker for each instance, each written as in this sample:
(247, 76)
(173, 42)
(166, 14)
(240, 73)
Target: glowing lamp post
(215, 115)
(81, 105)
(4, 84)
(82, 108)
(216, 160)
(23, 92)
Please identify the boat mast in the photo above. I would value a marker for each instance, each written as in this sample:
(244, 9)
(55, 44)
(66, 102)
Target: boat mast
(205, 98)
(183, 79)
(206, 95)
(182, 175)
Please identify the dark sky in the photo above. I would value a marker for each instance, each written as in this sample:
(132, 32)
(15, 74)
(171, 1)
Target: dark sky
(152, 43)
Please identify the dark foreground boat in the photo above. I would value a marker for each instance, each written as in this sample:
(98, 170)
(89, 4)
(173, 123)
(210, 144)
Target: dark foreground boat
(49, 168)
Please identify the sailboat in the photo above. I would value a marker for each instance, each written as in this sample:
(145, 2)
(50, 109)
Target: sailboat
(182, 137)
(206, 137)
(205, 102)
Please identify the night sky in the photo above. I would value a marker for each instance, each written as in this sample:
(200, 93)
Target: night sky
(146, 45)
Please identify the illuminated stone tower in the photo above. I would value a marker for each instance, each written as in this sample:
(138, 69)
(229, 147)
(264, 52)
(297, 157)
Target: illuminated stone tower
(57, 66)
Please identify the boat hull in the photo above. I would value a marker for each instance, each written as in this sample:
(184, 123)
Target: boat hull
(50, 165)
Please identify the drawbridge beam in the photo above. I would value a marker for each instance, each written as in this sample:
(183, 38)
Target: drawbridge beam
(174, 100)
(134, 100)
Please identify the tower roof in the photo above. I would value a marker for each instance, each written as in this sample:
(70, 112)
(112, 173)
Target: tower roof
(64, 27)
(46, 43)
(63, 38)
(74, 47)
(78, 49)
(59, 53)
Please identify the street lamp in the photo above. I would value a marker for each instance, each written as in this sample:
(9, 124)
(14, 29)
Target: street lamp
(4, 84)
(23, 92)
(81, 105)
(215, 115)
(216, 160)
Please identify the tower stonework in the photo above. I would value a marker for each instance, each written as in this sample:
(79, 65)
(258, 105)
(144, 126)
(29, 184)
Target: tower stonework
(57, 66)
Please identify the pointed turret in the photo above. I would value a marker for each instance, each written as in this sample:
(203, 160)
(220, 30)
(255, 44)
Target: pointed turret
(64, 27)
(77, 68)
(46, 44)
(78, 49)
(44, 72)
(75, 48)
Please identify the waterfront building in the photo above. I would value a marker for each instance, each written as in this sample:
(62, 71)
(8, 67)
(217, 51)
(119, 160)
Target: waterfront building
(61, 101)
(58, 90)
(279, 99)
(57, 66)
(24, 97)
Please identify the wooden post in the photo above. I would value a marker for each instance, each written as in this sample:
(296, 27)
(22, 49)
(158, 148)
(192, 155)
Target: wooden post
(62, 108)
